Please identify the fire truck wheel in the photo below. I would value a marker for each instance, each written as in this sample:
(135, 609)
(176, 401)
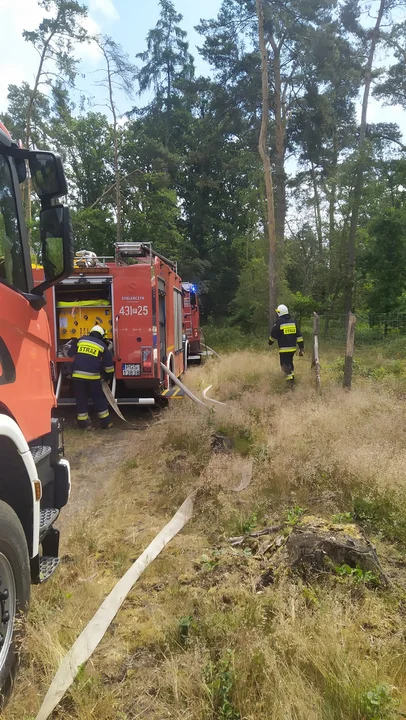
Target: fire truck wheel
(14, 594)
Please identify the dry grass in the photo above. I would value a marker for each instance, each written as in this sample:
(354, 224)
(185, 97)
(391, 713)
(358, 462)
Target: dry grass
(195, 639)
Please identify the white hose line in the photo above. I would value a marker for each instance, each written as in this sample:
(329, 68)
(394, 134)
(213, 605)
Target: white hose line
(112, 402)
(95, 630)
(246, 476)
(183, 387)
(211, 350)
(217, 402)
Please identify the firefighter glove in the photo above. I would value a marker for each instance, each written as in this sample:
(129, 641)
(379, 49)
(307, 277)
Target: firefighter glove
(270, 342)
(301, 353)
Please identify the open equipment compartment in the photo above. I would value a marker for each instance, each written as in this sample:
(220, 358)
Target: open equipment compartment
(80, 304)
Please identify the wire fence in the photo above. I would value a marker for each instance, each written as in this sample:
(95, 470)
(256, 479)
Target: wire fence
(369, 328)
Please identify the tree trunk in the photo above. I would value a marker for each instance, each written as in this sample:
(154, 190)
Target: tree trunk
(317, 211)
(359, 179)
(316, 359)
(266, 161)
(168, 107)
(280, 175)
(349, 351)
(116, 163)
(332, 212)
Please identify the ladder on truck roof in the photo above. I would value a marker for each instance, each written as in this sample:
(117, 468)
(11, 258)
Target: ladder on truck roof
(140, 250)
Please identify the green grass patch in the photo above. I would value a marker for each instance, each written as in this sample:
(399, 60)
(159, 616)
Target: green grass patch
(383, 515)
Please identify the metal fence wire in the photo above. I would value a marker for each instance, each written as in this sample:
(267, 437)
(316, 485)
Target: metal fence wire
(369, 328)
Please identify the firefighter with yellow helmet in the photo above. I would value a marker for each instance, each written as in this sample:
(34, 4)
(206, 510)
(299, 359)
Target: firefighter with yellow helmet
(286, 333)
(92, 361)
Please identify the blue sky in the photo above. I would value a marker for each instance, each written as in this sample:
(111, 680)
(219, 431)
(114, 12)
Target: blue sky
(127, 21)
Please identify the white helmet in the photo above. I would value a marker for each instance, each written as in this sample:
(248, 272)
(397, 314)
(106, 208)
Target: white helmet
(282, 310)
(98, 329)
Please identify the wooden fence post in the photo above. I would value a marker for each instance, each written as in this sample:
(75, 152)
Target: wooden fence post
(349, 351)
(315, 358)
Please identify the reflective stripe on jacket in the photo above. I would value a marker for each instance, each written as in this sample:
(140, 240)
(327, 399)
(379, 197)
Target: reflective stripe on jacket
(287, 334)
(91, 358)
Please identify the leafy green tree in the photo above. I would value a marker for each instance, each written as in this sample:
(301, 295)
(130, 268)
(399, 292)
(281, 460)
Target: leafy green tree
(370, 39)
(94, 229)
(85, 142)
(384, 261)
(290, 30)
(19, 97)
(250, 305)
(392, 86)
(167, 65)
(54, 41)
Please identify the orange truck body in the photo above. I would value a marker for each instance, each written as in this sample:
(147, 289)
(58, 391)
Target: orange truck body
(34, 475)
(140, 307)
(26, 388)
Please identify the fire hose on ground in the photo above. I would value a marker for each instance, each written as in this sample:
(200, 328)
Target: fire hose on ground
(217, 402)
(112, 401)
(183, 387)
(95, 630)
(211, 350)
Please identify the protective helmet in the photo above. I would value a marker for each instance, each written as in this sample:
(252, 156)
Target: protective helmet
(98, 329)
(282, 310)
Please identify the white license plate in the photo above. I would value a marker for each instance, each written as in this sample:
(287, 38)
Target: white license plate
(131, 370)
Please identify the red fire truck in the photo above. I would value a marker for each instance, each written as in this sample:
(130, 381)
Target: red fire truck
(191, 323)
(34, 475)
(137, 299)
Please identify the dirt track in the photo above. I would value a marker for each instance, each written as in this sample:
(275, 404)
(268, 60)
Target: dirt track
(93, 456)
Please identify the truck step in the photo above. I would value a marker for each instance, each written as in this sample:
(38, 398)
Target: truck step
(40, 452)
(174, 393)
(47, 518)
(47, 567)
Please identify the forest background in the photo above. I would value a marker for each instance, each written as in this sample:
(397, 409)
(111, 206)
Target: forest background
(164, 153)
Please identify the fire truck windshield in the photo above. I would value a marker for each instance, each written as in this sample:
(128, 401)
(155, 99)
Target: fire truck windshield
(12, 269)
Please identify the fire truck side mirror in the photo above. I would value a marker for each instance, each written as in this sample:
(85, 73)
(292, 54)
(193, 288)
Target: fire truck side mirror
(47, 174)
(57, 245)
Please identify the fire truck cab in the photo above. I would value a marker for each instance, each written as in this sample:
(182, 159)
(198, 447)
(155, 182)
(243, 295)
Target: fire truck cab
(137, 298)
(34, 476)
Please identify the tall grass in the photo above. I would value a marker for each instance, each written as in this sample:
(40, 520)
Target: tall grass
(196, 639)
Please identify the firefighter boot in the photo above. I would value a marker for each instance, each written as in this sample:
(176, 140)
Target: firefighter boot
(85, 424)
(105, 423)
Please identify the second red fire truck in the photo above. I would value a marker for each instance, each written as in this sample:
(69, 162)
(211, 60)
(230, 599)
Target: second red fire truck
(191, 323)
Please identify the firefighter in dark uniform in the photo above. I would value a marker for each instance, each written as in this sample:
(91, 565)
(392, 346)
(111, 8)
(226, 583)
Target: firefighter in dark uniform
(287, 334)
(92, 359)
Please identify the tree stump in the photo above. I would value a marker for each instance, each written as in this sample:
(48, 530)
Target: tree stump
(317, 545)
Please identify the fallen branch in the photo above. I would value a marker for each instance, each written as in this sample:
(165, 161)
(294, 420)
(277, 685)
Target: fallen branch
(267, 531)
